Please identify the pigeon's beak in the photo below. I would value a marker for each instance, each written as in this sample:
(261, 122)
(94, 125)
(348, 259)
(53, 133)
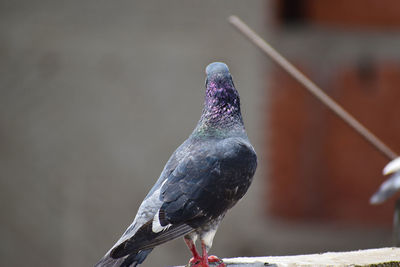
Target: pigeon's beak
(392, 166)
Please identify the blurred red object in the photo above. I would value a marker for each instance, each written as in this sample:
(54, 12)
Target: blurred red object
(321, 169)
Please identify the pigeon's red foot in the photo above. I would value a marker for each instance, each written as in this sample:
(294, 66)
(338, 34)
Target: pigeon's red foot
(215, 259)
(197, 262)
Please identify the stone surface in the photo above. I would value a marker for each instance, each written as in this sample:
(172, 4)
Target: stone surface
(385, 256)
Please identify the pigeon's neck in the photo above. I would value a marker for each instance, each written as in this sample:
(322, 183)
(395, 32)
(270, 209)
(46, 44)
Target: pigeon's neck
(221, 113)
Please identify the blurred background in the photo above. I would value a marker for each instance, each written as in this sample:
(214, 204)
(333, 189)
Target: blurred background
(96, 95)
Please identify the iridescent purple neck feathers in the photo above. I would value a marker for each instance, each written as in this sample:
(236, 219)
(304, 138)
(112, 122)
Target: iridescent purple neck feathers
(222, 99)
(222, 102)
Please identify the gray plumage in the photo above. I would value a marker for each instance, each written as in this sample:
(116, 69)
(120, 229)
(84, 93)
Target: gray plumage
(203, 178)
(389, 187)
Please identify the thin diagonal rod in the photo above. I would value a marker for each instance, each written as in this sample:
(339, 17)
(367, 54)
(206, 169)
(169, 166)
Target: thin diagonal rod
(311, 87)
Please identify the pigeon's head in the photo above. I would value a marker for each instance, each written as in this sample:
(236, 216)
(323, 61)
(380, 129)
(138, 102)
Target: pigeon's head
(220, 90)
(222, 104)
(217, 68)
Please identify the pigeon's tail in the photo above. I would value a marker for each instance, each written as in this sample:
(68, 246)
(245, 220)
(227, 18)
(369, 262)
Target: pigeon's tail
(128, 261)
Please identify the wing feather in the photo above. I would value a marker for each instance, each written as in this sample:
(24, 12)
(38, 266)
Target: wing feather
(145, 238)
(191, 191)
(208, 181)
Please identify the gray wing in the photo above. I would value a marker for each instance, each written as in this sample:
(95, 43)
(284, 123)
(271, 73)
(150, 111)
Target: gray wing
(206, 181)
(209, 182)
(152, 202)
(145, 238)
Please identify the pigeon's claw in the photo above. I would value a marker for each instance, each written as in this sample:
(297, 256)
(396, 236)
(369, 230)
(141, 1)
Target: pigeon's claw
(212, 260)
(197, 262)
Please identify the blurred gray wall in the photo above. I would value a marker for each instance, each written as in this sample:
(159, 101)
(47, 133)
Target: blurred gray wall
(94, 97)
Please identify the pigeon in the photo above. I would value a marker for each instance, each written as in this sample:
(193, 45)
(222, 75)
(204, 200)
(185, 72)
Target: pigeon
(391, 185)
(205, 177)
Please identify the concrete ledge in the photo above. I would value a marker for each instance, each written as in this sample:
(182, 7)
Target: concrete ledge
(370, 257)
